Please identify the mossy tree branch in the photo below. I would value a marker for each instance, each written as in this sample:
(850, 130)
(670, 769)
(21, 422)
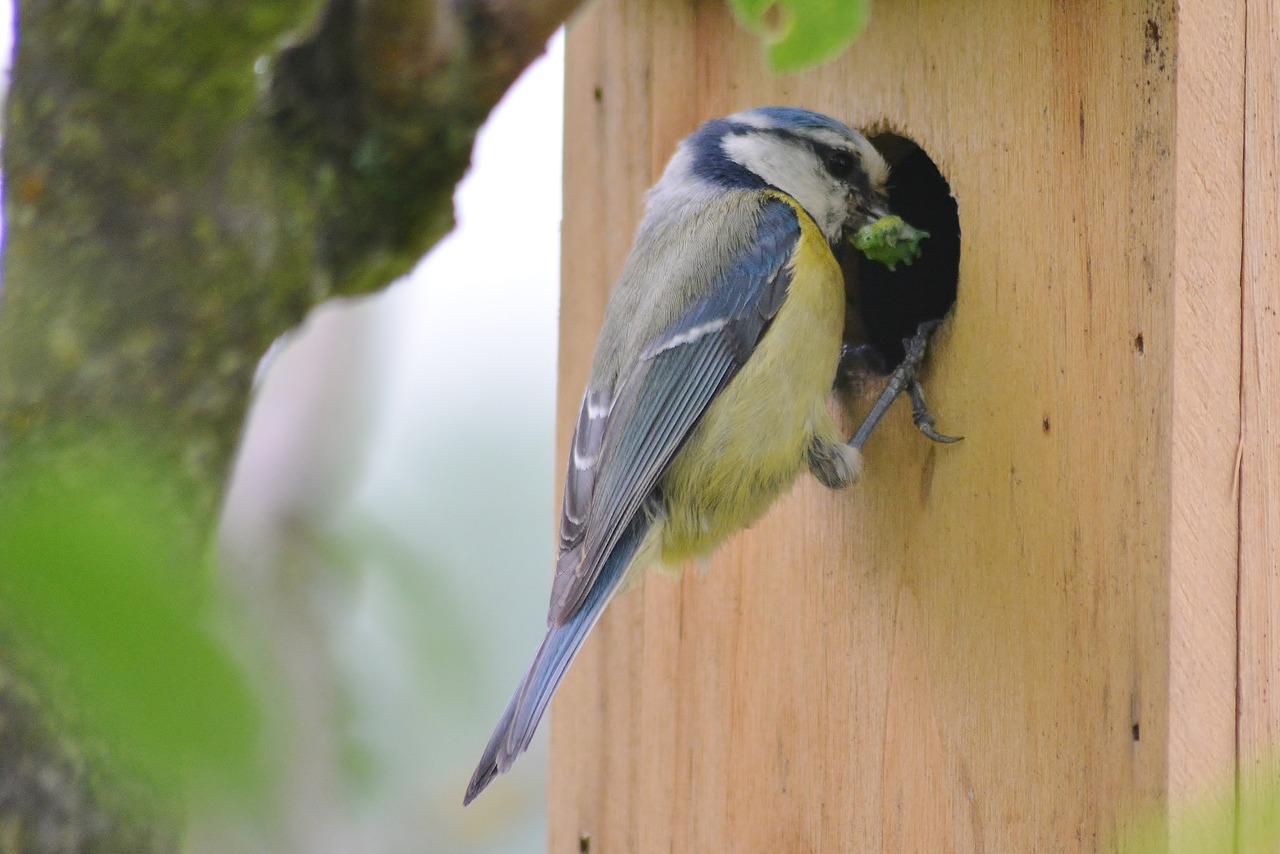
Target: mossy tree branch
(178, 195)
(183, 181)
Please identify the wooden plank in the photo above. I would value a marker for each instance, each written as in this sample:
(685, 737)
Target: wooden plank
(969, 651)
(610, 56)
(1259, 474)
(1204, 419)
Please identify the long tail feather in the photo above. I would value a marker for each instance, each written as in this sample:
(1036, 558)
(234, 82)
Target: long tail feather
(520, 719)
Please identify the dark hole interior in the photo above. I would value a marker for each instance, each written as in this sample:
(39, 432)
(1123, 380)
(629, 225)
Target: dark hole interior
(893, 303)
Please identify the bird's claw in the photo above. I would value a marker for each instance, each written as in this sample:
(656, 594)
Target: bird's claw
(923, 418)
(903, 379)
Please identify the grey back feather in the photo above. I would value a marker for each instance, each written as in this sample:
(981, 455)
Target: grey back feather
(640, 408)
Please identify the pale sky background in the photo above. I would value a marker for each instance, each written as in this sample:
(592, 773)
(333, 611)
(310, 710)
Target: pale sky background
(459, 475)
(460, 464)
(460, 471)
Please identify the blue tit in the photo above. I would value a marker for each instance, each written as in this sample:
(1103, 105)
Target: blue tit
(708, 390)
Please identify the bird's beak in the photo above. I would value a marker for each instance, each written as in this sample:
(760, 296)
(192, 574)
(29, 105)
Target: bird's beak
(877, 209)
(865, 210)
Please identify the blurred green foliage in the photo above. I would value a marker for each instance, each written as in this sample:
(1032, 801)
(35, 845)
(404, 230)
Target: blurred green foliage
(799, 34)
(110, 611)
(1243, 819)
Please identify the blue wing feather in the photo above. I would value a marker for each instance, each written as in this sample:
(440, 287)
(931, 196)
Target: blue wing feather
(611, 500)
(676, 378)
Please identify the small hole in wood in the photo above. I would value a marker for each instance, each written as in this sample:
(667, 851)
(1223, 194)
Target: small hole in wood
(1137, 732)
(892, 303)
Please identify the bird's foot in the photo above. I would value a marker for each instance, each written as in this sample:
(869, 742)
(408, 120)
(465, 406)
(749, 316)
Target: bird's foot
(904, 378)
(923, 418)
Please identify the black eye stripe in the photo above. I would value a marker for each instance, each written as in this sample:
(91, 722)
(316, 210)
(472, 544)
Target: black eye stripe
(840, 163)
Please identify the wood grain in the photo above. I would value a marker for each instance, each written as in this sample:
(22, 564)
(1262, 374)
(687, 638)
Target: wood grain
(1259, 472)
(1020, 643)
(1205, 408)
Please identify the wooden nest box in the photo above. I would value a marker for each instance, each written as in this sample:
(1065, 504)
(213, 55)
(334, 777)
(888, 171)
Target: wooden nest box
(1068, 624)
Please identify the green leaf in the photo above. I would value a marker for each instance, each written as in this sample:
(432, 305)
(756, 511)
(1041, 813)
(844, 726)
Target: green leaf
(802, 33)
(111, 612)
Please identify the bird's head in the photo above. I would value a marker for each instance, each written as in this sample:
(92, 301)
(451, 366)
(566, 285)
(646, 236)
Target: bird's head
(835, 174)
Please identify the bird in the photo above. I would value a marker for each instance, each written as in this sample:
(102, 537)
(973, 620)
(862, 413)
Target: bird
(707, 393)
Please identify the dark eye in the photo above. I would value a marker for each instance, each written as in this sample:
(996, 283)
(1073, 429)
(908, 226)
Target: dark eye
(839, 164)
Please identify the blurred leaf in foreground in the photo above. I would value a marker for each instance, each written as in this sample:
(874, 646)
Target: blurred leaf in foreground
(109, 610)
(1240, 819)
(802, 33)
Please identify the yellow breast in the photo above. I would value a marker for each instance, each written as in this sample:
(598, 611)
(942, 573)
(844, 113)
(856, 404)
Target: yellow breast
(750, 444)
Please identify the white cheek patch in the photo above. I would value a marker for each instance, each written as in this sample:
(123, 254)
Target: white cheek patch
(751, 118)
(873, 163)
(829, 138)
(793, 170)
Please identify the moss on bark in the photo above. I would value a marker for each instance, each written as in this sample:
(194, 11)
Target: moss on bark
(183, 181)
